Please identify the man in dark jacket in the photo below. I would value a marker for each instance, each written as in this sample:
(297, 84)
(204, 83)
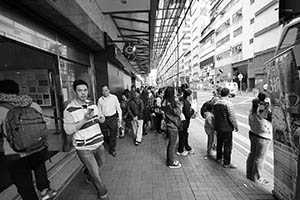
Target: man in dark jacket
(136, 112)
(225, 123)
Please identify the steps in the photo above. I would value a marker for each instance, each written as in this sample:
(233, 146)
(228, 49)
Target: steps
(61, 170)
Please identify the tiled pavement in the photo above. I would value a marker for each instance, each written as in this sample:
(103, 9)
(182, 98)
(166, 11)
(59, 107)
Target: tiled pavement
(140, 173)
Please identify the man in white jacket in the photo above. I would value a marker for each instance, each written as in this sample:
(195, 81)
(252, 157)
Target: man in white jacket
(82, 120)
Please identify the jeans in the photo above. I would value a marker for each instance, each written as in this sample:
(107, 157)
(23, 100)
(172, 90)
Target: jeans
(258, 153)
(137, 127)
(172, 132)
(224, 140)
(183, 137)
(210, 140)
(93, 160)
(110, 131)
(21, 174)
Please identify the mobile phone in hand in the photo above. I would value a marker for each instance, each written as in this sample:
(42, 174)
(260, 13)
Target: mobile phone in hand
(90, 110)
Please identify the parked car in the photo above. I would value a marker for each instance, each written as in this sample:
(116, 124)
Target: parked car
(232, 86)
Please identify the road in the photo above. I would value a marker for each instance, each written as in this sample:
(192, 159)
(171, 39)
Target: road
(241, 146)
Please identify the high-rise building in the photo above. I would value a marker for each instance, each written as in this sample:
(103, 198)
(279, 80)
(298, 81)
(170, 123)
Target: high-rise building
(266, 37)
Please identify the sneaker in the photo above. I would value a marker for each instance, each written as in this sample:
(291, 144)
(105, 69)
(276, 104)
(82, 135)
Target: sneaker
(88, 180)
(191, 151)
(175, 165)
(48, 193)
(230, 166)
(184, 153)
(136, 143)
(263, 181)
(104, 197)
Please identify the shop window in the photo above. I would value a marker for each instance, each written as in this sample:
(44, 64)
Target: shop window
(252, 21)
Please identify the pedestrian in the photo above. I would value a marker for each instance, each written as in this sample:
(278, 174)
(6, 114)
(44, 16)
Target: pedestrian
(260, 136)
(136, 111)
(81, 120)
(145, 97)
(125, 126)
(109, 106)
(22, 163)
(183, 146)
(209, 127)
(225, 124)
(172, 111)
(158, 111)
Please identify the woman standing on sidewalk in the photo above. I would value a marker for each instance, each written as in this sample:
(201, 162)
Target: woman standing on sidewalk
(172, 111)
(183, 146)
(260, 135)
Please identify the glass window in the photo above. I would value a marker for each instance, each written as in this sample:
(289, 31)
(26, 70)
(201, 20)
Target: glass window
(291, 37)
(251, 41)
(238, 31)
(252, 21)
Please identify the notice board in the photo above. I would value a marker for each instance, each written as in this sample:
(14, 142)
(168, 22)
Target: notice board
(34, 83)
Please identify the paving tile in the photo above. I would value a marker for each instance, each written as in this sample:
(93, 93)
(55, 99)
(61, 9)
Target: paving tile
(140, 173)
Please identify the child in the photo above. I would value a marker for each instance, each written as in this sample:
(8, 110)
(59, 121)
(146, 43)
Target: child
(209, 127)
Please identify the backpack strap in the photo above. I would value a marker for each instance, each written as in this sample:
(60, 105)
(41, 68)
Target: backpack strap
(7, 105)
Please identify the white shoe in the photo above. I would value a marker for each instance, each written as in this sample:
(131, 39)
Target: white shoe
(191, 151)
(184, 153)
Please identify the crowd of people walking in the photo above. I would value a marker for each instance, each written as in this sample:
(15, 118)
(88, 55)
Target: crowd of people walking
(140, 111)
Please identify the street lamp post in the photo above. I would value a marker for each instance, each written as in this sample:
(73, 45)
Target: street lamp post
(240, 77)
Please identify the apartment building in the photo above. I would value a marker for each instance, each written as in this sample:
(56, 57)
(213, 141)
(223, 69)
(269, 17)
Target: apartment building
(185, 42)
(266, 37)
(199, 19)
(238, 40)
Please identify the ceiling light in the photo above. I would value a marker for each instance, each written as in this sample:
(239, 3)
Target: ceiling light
(124, 1)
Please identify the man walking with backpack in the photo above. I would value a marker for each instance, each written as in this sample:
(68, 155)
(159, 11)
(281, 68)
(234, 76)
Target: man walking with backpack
(82, 120)
(25, 148)
(225, 124)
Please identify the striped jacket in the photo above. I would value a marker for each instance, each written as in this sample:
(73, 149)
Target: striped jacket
(89, 136)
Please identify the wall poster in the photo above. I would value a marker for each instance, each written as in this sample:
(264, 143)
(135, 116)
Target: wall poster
(34, 83)
(284, 84)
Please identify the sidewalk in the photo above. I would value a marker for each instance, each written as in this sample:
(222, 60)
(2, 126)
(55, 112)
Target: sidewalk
(140, 173)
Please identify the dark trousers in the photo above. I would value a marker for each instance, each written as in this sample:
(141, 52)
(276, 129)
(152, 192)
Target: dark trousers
(21, 174)
(110, 130)
(183, 137)
(172, 132)
(224, 141)
(159, 118)
(258, 153)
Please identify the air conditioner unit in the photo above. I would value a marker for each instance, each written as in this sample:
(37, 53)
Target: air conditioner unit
(227, 23)
(222, 12)
(218, 58)
(239, 48)
(239, 13)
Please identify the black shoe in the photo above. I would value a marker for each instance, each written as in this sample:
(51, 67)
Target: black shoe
(114, 154)
(145, 133)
